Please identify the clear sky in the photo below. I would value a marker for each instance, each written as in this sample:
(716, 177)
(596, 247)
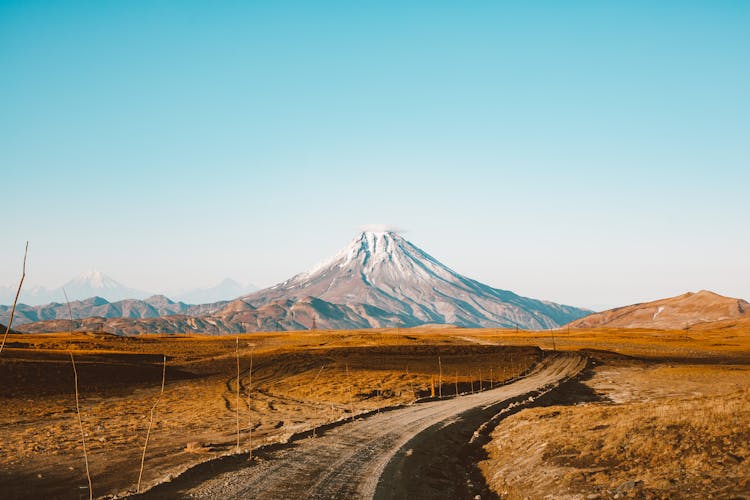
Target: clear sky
(591, 153)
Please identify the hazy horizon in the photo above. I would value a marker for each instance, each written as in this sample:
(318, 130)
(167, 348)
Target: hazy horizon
(588, 154)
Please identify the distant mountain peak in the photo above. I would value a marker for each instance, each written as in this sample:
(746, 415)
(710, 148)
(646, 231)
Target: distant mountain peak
(159, 299)
(95, 283)
(228, 281)
(95, 279)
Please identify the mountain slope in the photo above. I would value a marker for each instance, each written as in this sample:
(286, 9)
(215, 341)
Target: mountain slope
(683, 311)
(383, 270)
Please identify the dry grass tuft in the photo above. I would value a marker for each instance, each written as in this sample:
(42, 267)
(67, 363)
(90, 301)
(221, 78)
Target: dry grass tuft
(151, 423)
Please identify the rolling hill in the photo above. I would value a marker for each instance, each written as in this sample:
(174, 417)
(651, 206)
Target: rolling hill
(683, 311)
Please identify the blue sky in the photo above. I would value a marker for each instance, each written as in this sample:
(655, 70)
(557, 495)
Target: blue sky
(592, 153)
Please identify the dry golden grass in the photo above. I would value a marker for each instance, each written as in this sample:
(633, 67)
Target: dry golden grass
(673, 432)
(720, 344)
(120, 378)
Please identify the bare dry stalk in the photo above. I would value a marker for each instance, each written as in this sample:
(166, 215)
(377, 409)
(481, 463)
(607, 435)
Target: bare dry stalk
(15, 301)
(312, 387)
(151, 422)
(411, 384)
(351, 389)
(237, 399)
(80, 424)
(70, 311)
(249, 388)
(456, 383)
(440, 379)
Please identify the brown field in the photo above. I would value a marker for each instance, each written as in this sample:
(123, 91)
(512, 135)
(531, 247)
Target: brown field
(652, 388)
(671, 420)
(299, 381)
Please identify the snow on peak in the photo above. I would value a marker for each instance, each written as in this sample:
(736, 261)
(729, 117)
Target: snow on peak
(380, 257)
(96, 279)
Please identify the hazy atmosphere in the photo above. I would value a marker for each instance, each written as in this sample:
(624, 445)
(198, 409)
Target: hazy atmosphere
(592, 154)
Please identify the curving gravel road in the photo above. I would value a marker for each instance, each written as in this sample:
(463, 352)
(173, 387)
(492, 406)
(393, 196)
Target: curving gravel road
(386, 455)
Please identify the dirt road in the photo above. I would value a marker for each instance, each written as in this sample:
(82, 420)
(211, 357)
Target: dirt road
(408, 452)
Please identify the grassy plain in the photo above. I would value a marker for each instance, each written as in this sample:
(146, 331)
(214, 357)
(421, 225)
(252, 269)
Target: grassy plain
(301, 380)
(670, 418)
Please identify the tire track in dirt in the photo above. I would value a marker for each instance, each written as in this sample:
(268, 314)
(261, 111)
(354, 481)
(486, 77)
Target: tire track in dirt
(363, 458)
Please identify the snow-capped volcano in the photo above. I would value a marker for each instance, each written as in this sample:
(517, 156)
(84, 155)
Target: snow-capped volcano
(97, 284)
(384, 271)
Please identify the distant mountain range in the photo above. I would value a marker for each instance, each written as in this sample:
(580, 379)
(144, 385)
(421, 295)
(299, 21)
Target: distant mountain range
(152, 307)
(681, 312)
(97, 284)
(378, 280)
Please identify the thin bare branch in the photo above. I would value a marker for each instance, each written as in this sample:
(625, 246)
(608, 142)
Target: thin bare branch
(15, 301)
(151, 422)
(249, 388)
(312, 386)
(70, 311)
(80, 424)
(237, 399)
